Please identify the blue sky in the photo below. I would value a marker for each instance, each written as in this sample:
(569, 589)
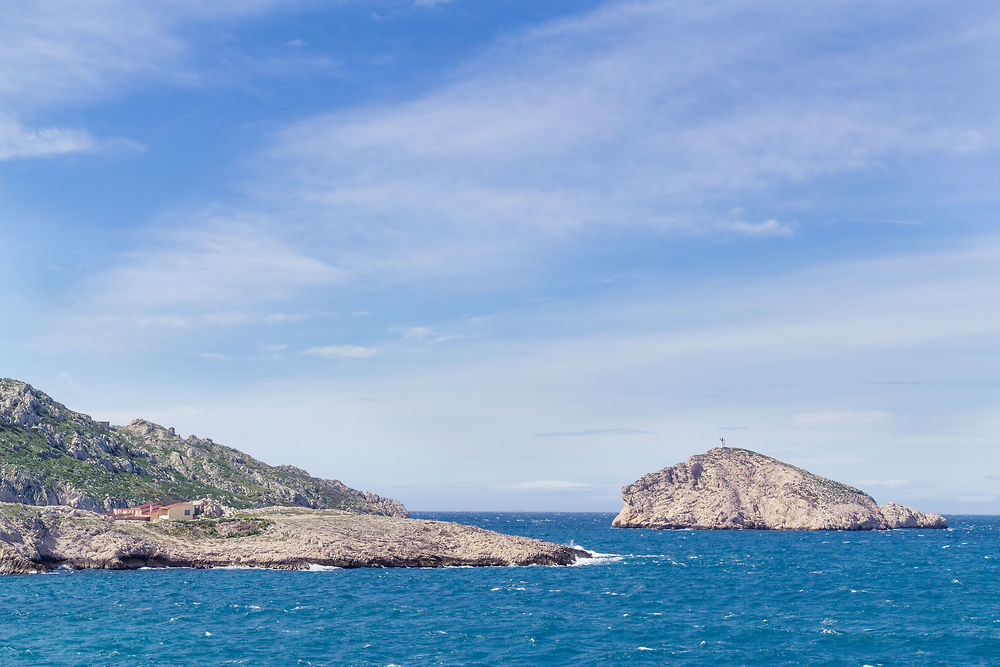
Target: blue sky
(513, 255)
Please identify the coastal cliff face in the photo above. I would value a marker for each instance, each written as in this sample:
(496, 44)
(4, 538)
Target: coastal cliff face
(36, 539)
(730, 488)
(50, 455)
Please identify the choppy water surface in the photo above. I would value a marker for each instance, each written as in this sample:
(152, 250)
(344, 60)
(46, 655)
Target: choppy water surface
(683, 597)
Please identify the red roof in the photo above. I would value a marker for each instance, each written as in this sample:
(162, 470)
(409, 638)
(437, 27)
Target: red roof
(147, 507)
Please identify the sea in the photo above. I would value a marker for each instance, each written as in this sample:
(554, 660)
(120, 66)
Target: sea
(904, 597)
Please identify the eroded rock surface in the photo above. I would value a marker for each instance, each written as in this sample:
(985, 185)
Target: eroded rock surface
(731, 488)
(34, 539)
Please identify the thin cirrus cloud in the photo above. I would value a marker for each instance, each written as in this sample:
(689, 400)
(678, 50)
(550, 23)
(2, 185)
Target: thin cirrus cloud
(20, 142)
(546, 485)
(610, 120)
(60, 51)
(620, 118)
(17, 141)
(840, 417)
(55, 53)
(592, 432)
(340, 352)
(767, 228)
(883, 483)
(977, 499)
(222, 275)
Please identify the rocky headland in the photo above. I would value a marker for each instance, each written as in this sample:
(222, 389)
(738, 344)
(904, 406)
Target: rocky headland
(731, 488)
(51, 455)
(37, 539)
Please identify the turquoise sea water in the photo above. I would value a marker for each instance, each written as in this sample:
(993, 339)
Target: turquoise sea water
(680, 597)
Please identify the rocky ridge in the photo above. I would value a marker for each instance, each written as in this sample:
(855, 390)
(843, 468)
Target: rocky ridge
(731, 488)
(37, 539)
(51, 455)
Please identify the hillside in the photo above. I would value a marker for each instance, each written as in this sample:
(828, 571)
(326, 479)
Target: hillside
(51, 455)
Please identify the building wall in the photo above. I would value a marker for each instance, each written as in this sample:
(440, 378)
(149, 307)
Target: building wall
(178, 513)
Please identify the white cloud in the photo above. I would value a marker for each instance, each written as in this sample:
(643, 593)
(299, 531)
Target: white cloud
(222, 274)
(767, 228)
(60, 51)
(625, 117)
(341, 352)
(600, 121)
(424, 334)
(818, 337)
(283, 318)
(420, 333)
(840, 417)
(883, 483)
(55, 53)
(216, 266)
(592, 432)
(981, 498)
(546, 485)
(17, 141)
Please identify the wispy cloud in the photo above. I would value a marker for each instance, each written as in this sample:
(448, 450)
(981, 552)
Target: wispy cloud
(767, 228)
(220, 275)
(839, 417)
(598, 122)
(17, 141)
(58, 52)
(977, 499)
(883, 483)
(424, 334)
(341, 352)
(221, 264)
(592, 432)
(285, 318)
(587, 128)
(546, 485)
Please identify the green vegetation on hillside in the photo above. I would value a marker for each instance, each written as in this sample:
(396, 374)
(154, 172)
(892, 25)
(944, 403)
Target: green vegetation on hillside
(48, 451)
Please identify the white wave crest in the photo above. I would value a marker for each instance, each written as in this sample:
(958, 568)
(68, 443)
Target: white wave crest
(316, 567)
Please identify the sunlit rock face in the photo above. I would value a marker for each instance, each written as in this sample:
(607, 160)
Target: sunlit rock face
(731, 488)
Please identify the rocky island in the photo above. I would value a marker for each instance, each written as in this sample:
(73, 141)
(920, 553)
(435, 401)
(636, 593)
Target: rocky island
(36, 539)
(731, 488)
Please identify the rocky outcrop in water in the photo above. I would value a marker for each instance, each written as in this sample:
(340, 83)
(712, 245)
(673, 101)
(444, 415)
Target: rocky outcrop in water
(36, 539)
(51, 455)
(732, 488)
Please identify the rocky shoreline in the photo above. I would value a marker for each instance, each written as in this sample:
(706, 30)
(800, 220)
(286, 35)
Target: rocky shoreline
(42, 538)
(729, 488)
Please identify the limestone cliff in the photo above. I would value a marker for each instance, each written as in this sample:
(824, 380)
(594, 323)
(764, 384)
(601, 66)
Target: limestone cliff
(35, 539)
(732, 488)
(51, 455)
